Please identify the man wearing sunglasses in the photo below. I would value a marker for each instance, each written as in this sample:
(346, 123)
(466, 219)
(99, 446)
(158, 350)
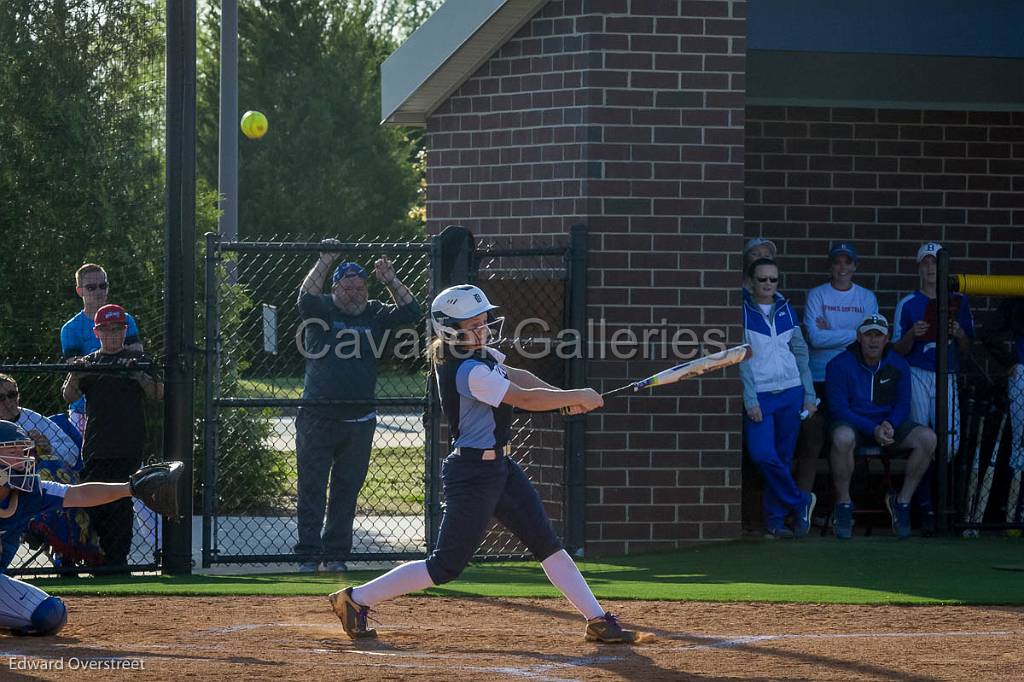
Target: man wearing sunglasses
(48, 437)
(77, 338)
(341, 330)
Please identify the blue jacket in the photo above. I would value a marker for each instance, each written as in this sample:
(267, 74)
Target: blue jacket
(863, 396)
(779, 357)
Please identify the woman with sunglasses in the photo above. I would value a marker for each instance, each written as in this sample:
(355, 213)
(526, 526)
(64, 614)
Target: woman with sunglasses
(777, 394)
(478, 391)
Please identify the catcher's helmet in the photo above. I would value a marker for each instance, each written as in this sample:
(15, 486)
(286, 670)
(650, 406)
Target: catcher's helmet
(458, 303)
(17, 465)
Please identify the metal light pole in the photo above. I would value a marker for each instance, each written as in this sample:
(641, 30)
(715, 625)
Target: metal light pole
(227, 170)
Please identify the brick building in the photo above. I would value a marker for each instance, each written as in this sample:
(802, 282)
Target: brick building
(654, 123)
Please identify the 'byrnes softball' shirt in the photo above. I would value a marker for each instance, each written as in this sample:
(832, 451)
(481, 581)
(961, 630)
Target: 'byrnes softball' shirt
(471, 391)
(912, 308)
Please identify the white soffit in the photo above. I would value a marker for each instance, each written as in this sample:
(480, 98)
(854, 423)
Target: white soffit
(446, 50)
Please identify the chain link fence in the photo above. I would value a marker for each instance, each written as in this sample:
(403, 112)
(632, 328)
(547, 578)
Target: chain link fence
(987, 470)
(258, 401)
(255, 394)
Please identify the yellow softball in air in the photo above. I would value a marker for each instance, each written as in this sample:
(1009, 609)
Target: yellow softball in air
(254, 125)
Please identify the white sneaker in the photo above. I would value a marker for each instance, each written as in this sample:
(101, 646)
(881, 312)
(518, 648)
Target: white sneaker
(308, 567)
(336, 567)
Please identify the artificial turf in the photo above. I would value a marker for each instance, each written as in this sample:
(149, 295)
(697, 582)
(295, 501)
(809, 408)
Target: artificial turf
(815, 570)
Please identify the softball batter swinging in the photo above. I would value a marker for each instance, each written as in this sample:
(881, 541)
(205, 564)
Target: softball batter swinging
(478, 391)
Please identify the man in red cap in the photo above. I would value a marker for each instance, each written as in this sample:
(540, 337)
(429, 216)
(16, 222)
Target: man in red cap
(115, 440)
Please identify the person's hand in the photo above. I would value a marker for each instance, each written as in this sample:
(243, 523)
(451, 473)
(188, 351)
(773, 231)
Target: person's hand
(44, 449)
(821, 323)
(330, 250)
(572, 410)
(883, 434)
(920, 328)
(384, 271)
(587, 399)
(955, 330)
(754, 413)
(810, 408)
(78, 361)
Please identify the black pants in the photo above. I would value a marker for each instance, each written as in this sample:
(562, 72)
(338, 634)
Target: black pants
(339, 452)
(112, 521)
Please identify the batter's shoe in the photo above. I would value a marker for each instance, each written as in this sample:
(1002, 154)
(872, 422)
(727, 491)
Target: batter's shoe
(606, 629)
(351, 614)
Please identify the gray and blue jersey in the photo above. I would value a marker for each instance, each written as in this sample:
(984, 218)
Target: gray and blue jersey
(471, 391)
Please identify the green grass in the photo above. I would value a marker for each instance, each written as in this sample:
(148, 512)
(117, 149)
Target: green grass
(394, 482)
(818, 570)
(389, 385)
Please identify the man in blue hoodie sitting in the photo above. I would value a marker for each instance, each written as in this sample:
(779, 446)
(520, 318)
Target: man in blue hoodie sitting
(868, 389)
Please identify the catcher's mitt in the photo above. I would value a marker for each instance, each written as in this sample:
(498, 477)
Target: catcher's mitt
(157, 486)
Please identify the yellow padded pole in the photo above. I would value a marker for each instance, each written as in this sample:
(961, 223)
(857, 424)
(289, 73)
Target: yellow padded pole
(989, 285)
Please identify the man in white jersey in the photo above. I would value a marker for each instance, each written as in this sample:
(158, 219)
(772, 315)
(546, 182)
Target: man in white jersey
(832, 314)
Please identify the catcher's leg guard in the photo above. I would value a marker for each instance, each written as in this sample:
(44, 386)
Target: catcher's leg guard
(47, 619)
(351, 614)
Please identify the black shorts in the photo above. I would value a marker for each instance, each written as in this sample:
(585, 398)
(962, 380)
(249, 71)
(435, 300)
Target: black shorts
(902, 431)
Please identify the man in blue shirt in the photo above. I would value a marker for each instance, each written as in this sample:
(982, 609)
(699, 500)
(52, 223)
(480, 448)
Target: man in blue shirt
(868, 388)
(341, 331)
(77, 338)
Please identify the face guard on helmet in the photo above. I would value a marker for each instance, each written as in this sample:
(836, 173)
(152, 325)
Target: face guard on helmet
(458, 303)
(17, 466)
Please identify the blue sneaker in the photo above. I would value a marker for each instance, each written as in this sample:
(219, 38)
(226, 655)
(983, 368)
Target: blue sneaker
(802, 516)
(842, 520)
(780, 533)
(900, 512)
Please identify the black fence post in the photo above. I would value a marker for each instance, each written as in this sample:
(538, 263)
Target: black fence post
(576, 377)
(179, 277)
(942, 386)
(432, 419)
(211, 370)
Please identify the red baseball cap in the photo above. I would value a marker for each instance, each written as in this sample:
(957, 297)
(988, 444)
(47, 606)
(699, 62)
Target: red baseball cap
(110, 314)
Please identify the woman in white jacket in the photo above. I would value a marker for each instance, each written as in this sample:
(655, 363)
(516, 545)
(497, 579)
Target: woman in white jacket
(776, 384)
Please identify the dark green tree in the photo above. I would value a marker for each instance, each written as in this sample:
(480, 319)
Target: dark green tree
(326, 166)
(81, 171)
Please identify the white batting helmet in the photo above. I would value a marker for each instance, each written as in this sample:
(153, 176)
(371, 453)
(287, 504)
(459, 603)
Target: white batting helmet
(458, 303)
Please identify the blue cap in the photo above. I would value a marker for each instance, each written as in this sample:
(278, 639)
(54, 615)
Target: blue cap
(348, 269)
(843, 248)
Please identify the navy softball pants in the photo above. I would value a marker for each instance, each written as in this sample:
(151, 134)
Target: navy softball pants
(476, 490)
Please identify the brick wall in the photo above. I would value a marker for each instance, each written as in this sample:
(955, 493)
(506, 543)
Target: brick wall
(626, 115)
(887, 180)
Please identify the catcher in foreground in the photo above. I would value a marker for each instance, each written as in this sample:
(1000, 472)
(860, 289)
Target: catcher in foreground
(27, 610)
(478, 391)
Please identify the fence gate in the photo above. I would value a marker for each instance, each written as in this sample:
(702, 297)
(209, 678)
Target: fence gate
(253, 387)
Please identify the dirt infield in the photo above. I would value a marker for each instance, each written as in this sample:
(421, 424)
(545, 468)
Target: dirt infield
(173, 638)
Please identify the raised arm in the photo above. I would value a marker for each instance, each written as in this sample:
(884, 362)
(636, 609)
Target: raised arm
(314, 280)
(384, 271)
